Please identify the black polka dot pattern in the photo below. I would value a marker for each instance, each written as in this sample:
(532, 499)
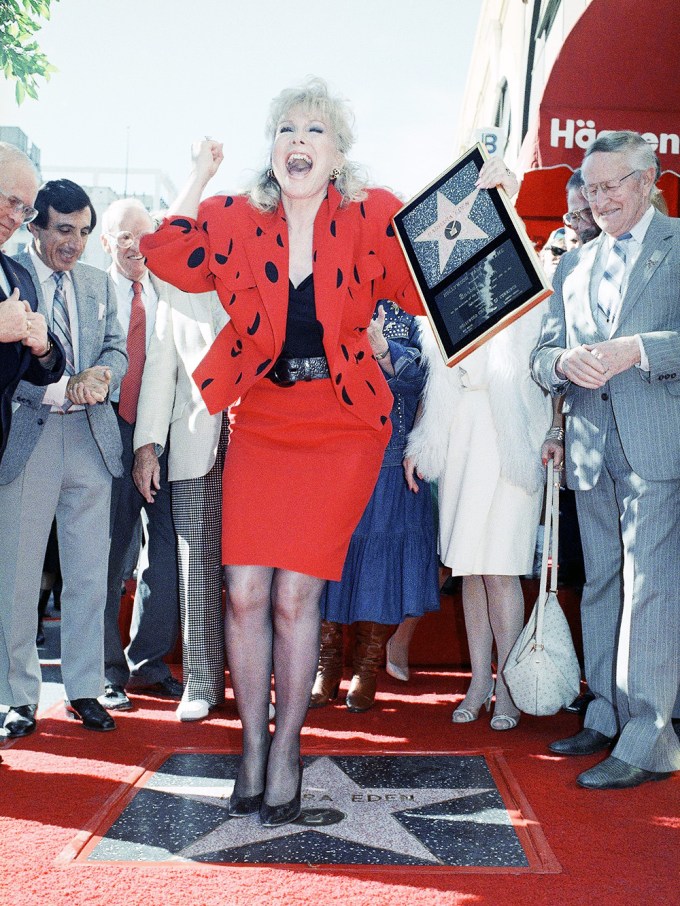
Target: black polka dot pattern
(184, 224)
(279, 240)
(197, 257)
(390, 231)
(271, 271)
(238, 379)
(263, 366)
(344, 351)
(338, 378)
(207, 382)
(232, 300)
(228, 201)
(204, 226)
(383, 419)
(254, 326)
(259, 231)
(231, 245)
(221, 259)
(358, 356)
(356, 274)
(370, 387)
(346, 397)
(333, 228)
(362, 209)
(237, 349)
(339, 279)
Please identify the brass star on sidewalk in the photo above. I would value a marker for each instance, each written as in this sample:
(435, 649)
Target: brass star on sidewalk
(365, 816)
(452, 225)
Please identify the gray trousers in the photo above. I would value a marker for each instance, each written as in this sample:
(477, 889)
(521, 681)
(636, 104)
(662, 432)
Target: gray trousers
(630, 609)
(155, 615)
(65, 475)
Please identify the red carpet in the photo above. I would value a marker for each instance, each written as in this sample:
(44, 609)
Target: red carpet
(59, 784)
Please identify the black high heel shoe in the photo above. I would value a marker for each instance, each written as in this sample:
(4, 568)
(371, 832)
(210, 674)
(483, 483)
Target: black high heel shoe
(276, 815)
(242, 806)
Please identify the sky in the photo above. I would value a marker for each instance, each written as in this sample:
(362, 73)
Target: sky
(139, 80)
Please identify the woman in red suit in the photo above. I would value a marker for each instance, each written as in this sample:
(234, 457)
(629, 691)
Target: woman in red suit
(299, 264)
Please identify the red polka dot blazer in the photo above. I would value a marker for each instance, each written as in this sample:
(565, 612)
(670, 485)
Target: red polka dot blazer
(243, 254)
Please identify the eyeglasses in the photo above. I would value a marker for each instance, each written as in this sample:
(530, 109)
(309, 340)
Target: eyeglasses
(571, 218)
(607, 188)
(125, 239)
(17, 206)
(556, 250)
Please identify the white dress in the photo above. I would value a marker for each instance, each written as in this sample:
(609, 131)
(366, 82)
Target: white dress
(488, 419)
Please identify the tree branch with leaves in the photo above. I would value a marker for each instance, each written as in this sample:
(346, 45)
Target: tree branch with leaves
(20, 56)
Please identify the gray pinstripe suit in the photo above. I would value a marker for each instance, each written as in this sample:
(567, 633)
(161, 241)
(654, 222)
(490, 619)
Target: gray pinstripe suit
(623, 461)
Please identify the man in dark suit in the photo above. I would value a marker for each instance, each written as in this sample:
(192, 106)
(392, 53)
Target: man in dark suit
(28, 350)
(611, 344)
(155, 615)
(63, 449)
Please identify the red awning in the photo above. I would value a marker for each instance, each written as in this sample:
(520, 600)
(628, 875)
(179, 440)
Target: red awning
(617, 69)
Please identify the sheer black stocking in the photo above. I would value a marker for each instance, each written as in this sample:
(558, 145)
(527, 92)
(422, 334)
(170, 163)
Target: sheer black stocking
(271, 610)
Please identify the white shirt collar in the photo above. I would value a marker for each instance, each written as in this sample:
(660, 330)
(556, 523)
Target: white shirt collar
(639, 231)
(123, 282)
(42, 270)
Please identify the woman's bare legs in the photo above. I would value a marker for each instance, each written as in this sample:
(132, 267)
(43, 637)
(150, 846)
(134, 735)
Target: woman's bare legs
(248, 636)
(297, 621)
(480, 642)
(506, 613)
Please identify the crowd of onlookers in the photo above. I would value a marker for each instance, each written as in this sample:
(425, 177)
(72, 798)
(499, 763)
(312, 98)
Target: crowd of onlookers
(104, 430)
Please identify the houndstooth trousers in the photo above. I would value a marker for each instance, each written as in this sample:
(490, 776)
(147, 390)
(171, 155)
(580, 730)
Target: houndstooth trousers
(197, 513)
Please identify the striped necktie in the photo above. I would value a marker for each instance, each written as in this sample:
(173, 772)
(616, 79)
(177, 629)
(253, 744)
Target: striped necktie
(61, 323)
(136, 350)
(609, 292)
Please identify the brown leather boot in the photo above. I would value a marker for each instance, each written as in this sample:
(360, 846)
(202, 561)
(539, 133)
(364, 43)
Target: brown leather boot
(369, 648)
(329, 672)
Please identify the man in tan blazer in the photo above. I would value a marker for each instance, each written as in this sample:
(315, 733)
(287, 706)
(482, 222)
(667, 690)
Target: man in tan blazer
(171, 412)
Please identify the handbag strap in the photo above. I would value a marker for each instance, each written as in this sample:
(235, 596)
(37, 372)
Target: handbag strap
(550, 546)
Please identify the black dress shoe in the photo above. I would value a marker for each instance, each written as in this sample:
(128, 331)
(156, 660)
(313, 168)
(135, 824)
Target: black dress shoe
(580, 703)
(91, 713)
(276, 815)
(587, 742)
(242, 806)
(20, 721)
(166, 688)
(614, 774)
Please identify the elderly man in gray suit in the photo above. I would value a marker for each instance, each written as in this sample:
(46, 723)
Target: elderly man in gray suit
(611, 344)
(63, 448)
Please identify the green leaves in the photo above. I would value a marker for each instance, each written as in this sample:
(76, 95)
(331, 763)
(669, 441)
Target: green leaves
(20, 56)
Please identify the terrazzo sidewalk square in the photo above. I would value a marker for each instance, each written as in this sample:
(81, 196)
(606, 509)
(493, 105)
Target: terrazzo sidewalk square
(456, 812)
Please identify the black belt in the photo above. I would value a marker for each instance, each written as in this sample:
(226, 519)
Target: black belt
(288, 371)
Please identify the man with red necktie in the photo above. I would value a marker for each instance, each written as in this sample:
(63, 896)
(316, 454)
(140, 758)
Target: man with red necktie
(155, 618)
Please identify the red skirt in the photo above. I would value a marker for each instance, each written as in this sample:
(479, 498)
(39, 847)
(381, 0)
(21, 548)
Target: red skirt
(298, 474)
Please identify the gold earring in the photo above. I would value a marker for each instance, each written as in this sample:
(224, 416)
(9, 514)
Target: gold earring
(270, 174)
(335, 173)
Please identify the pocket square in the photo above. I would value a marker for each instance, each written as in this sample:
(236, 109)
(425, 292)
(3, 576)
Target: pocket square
(102, 310)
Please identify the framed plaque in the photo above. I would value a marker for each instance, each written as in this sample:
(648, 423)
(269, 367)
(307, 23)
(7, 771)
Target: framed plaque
(472, 261)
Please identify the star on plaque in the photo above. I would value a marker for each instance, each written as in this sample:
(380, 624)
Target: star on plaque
(345, 811)
(453, 224)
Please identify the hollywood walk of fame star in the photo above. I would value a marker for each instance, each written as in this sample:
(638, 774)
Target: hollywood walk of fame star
(365, 816)
(452, 225)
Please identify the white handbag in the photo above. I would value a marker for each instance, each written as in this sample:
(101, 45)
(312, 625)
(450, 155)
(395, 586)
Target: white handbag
(542, 671)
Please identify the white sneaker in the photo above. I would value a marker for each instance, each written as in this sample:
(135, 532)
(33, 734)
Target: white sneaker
(194, 710)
